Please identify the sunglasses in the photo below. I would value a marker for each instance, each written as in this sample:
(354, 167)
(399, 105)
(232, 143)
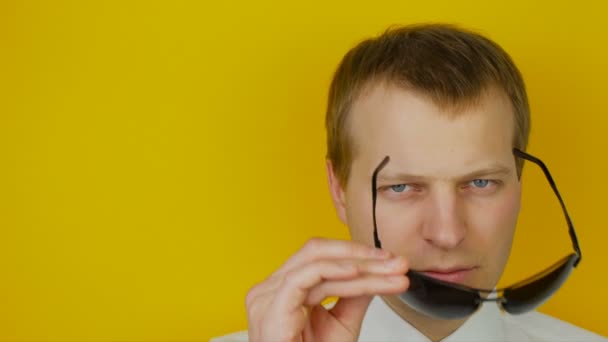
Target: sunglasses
(445, 300)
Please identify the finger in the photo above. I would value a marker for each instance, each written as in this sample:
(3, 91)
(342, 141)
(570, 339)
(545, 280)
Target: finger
(329, 268)
(296, 283)
(394, 266)
(361, 286)
(320, 248)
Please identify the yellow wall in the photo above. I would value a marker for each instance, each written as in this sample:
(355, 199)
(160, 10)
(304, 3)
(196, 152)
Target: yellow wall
(158, 158)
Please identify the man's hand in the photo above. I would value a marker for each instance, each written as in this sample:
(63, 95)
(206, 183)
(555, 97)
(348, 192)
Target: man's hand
(287, 305)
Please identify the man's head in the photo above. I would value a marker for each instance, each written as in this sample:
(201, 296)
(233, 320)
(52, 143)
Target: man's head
(447, 105)
(449, 65)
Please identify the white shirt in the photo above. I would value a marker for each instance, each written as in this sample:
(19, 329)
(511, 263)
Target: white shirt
(381, 323)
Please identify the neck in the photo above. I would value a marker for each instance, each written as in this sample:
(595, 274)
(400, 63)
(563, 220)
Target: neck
(434, 329)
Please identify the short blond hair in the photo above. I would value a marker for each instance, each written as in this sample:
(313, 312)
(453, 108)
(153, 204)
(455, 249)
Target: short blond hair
(451, 65)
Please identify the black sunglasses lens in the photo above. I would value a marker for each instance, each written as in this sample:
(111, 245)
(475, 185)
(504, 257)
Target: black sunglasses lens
(437, 299)
(532, 293)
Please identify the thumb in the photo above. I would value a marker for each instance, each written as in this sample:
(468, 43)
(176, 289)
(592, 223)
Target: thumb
(350, 311)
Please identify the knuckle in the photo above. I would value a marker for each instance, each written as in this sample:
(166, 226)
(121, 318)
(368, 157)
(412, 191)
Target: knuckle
(346, 266)
(314, 244)
(289, 278)
(250, 297)
(255, 292)
(315, 296)
(355, 248)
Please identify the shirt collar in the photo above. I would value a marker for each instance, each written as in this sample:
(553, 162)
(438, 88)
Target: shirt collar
(382, 323)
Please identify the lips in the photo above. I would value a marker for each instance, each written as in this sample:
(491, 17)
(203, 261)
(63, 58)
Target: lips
(453, 275)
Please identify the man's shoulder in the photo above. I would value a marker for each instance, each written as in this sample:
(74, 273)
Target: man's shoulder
(240, 336)
(542, 327)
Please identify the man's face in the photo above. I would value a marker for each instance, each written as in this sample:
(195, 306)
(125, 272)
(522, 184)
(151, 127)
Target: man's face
(449, 198)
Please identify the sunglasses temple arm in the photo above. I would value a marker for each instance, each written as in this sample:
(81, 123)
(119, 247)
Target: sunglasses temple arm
(382, 164)
(571, 230)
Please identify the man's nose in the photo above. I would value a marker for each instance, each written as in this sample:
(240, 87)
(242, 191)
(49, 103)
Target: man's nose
(445, 226)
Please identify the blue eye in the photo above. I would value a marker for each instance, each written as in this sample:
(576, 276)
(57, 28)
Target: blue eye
(481, 183)
(398, 187)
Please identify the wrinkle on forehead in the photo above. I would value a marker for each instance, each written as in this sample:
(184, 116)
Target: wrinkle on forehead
(427, 139)
(395, 174)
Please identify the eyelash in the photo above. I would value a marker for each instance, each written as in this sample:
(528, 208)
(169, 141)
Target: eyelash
(491, 184)
(389, 188)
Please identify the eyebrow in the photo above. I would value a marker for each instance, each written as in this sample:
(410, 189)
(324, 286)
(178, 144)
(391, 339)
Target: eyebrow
(496, 169)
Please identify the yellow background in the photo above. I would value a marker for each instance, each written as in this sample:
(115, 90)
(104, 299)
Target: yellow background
(159, 158)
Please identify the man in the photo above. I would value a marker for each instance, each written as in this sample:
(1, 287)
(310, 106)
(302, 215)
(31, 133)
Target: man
(424, 125)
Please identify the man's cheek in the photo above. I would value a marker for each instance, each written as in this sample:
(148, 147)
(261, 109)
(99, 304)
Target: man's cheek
(501, 217)
(360, 222)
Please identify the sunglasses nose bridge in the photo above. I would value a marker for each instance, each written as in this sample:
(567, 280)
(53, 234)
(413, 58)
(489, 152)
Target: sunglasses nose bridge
(498, 300)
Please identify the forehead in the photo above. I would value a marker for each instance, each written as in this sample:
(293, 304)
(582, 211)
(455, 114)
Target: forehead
(424, 138)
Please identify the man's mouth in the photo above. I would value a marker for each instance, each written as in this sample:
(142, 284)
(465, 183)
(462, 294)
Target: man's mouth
(453, 275)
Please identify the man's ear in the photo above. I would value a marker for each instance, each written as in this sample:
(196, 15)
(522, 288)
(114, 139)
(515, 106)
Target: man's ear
(338, 195)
